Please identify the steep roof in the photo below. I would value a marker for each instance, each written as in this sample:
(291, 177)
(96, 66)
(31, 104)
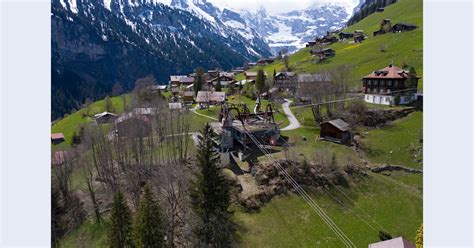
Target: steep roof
(186, 80)
(339, 124)
(175, 78)
(205, 96)
(100, 115)
(399, 242)
(57, 136)
(288, 74)
(389, 72)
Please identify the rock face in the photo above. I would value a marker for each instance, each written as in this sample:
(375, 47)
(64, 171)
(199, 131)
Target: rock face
(96, 44)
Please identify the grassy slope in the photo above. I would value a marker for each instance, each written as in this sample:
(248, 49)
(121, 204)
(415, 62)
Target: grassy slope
(287, 221)
(69, 124)
(394, 143)
(406, 47)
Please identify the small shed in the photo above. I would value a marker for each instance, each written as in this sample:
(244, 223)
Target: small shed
(336, 130)
(105, 117)
(57, 138)
(399, 242)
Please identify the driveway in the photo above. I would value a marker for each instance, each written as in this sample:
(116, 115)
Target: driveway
(294, 123)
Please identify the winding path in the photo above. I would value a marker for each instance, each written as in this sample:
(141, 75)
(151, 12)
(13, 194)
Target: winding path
(294, 123)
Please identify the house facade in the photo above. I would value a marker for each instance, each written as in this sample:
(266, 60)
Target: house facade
(390, 86)
(285, 81)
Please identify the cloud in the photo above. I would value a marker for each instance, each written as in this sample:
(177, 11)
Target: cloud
(278, 6)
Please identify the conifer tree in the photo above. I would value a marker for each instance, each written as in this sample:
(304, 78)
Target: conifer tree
(211, 198)
(109, 106)
(260, 81)
(120, 232)
(149, 231)
(199, 80)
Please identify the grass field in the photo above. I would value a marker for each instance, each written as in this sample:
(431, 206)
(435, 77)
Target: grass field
(406, 47)
(287, 221)
(394, 143)
(71, 123)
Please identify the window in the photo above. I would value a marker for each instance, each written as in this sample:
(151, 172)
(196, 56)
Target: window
(389, 82)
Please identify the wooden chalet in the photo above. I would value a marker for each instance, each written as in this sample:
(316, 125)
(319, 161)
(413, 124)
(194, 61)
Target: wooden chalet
(57, 138)
(323, 53)
(186, 80)
(285, 81)
(380, 10)
(359, 36)
(225, 79)
(344, 36)
(399, 242)
(337, 131)
(402, 27)
(175, 80)
(252, 75)
(187, 97)
(390, 85)
(105, 117)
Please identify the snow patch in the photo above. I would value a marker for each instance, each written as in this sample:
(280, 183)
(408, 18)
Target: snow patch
(73, 6)
(107, 4)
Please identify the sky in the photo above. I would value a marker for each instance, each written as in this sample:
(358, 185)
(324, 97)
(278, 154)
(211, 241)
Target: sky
(277, 6)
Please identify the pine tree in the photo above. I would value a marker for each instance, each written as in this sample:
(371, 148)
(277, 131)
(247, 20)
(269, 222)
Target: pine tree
(109, 106)
(120, 232)
(260, 81)
(199, 81)
(149, 231)
(211, 198)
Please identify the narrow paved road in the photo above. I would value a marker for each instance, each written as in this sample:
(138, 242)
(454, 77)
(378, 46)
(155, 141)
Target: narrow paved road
(294, 123)
(195, 112)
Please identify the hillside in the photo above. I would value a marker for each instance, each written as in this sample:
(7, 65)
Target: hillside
(406, 47)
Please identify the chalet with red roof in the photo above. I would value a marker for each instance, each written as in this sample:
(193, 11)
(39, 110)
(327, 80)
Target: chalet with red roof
(390, 86)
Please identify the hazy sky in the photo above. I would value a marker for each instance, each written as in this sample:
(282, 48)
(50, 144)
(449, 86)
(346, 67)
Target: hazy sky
(277, 6)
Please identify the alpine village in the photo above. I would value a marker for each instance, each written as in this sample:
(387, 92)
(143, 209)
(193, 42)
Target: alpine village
(317, 147)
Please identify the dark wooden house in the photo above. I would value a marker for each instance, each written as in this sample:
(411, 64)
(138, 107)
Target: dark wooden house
(285, 81)
(380, 9)
(57, 138)
(323, 53)
(344, 36)
(359, 36)
(337, 131)
(402, 27)
(105, 117)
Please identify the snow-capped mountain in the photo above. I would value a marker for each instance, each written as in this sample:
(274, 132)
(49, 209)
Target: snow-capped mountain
(293, 29)
(99, 43)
